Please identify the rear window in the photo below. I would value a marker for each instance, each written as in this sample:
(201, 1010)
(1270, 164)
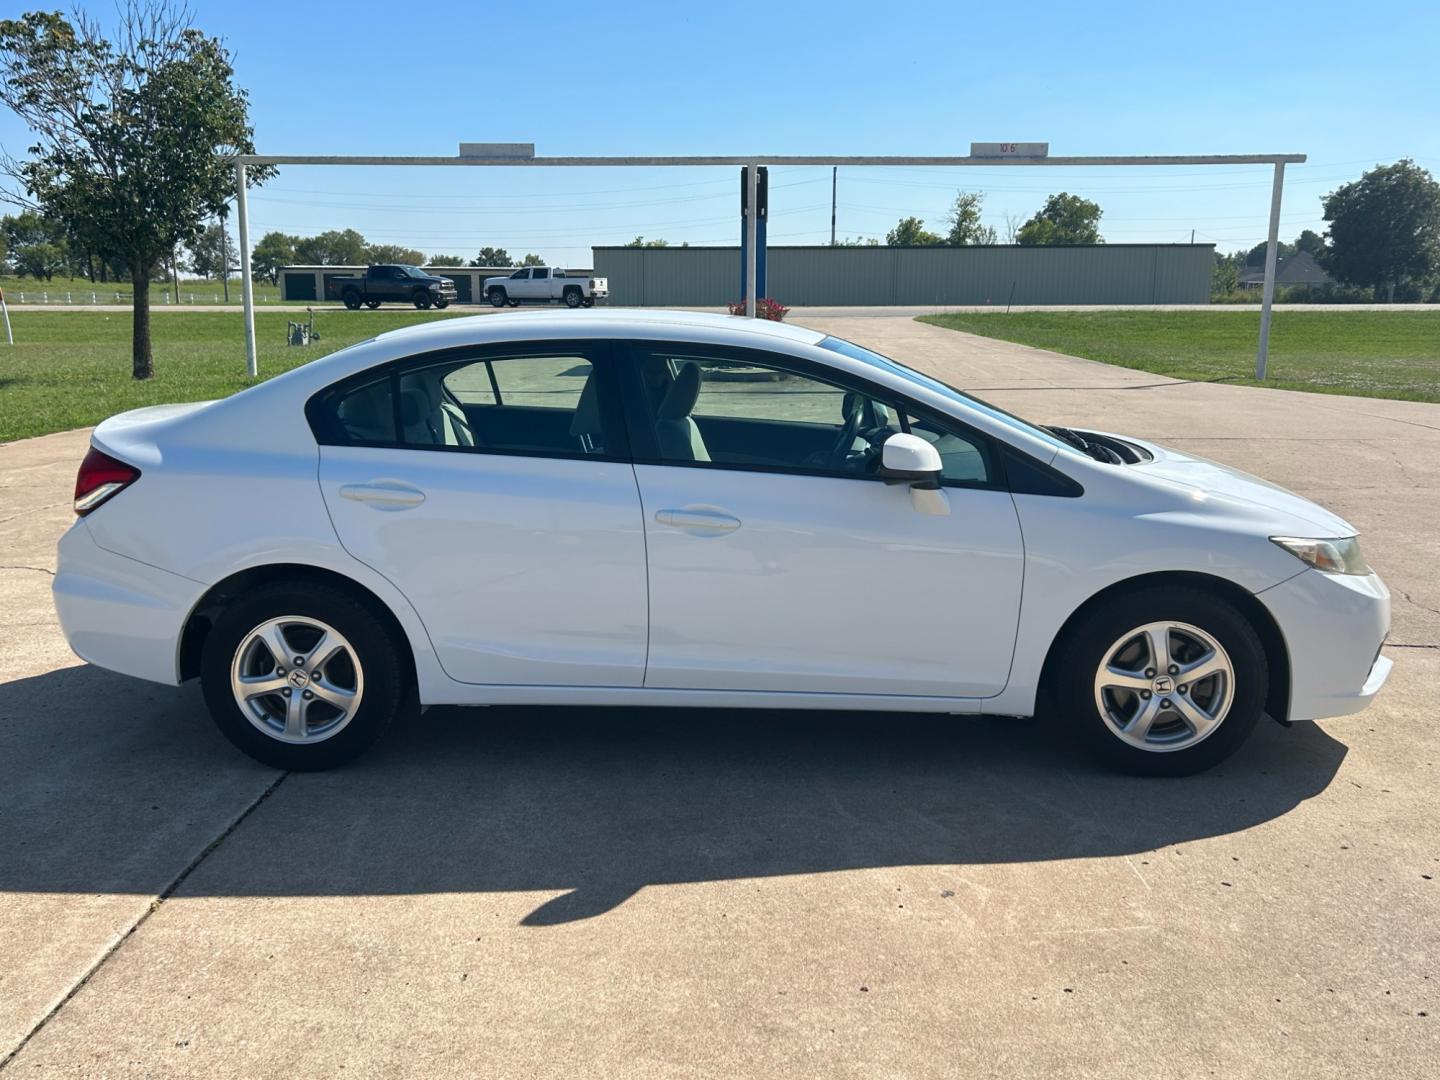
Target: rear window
(366, 414)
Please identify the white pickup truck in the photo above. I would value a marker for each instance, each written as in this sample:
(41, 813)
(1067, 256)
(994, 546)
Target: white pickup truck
(544, 285)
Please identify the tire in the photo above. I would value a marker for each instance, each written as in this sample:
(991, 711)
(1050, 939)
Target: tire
(422, 299)
(1098, 697)
(352, 299)
(441, 305)
(589, 301)
(514, 303)
(573, 298)
(497, 297)
(370, 666)
(372, 304)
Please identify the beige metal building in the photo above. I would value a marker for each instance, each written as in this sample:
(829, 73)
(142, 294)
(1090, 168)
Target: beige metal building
(1000, 274)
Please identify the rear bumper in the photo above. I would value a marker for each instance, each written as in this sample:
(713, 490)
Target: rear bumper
(1334, 625)
(118, 613)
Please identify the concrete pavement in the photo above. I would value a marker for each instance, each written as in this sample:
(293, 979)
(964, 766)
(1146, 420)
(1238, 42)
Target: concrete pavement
(624, 893)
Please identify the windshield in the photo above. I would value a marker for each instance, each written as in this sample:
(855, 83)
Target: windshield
(856, 352)
(414, 271)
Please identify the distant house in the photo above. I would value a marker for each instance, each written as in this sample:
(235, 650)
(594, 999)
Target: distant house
(1299, 269)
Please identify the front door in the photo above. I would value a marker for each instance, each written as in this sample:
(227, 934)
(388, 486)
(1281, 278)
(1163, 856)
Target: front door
(779, 562)
(492, 486)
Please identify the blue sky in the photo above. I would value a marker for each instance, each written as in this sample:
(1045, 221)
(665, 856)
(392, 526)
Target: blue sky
(1350, 85)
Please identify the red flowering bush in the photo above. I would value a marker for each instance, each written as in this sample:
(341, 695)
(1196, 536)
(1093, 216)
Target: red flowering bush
(765, 308)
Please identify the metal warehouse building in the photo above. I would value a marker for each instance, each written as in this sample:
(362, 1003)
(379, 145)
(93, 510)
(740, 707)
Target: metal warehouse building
(1001, 274)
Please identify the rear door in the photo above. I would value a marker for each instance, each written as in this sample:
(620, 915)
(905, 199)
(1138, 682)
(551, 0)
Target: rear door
(493, 487)
(778, 561)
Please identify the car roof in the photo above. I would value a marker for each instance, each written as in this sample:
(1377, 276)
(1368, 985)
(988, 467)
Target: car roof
(529, 325)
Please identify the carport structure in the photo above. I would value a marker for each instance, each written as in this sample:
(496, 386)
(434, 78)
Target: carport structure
(511, 155)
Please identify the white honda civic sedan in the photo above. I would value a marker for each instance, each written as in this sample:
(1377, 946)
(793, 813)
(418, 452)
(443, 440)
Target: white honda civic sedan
(632, 508)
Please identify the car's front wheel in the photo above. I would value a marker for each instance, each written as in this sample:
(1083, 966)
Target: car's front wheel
(422, 299)
(497, 297)
(1163, 681)
(302, 675)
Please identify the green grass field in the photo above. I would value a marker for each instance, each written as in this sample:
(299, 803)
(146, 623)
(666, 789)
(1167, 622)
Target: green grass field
(71, 369)
(1372, 353)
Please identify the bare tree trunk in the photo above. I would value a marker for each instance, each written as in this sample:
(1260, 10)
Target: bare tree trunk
(142, 363)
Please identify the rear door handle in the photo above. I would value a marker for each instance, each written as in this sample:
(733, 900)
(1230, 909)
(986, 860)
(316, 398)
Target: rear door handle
(699, 520)
(384, 494)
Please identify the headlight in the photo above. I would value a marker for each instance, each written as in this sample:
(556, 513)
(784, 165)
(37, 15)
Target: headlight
(435, 285)
(1336, 556)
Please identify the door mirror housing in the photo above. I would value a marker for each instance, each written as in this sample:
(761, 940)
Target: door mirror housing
(909, 459)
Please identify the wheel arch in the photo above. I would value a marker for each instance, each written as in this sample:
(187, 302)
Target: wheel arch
(202, 616)
(1277, 654)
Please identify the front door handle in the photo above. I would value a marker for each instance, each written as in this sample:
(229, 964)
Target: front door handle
(384, 494)
(698, 519)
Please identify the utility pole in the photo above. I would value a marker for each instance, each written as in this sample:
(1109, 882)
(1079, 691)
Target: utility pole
(224, 259)
(834, 174)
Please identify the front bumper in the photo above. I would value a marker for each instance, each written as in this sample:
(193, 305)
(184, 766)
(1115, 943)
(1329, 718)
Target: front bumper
(118, 613)
(1333, 625)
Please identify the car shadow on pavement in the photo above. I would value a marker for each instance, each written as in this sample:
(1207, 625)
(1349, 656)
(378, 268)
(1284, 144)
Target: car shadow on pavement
(108, 784)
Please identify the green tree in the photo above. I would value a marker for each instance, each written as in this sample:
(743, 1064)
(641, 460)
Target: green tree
(1310, 242)
(641, 242)
(532, 260)
(36, 245)
(446, 260)
(210, 252)
(964, 218)
(134, 136)
(1256, 255)
(336, 247)
(1225, 273)
(1384, 228)
(1064, 219)
(275, 249)
(490, 256)
(393, 253)
(911, 232)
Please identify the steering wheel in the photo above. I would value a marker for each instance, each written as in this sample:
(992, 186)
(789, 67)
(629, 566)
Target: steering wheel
(840, 452)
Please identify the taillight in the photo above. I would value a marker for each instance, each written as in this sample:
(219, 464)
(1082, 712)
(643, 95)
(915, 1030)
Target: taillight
(101, 477)
(592, 283)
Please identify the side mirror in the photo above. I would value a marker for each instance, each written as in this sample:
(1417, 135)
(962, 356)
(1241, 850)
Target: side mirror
(909, 459)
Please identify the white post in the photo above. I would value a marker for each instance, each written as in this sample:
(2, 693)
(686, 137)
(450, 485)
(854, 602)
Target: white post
(4, 307)
(752, 217)
(1271, 250)
(247, 284)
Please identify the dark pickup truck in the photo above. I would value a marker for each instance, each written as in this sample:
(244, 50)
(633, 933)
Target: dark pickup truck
(400, 284)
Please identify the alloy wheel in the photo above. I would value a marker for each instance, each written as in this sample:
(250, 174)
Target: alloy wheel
(297, 679)
(1164, 686)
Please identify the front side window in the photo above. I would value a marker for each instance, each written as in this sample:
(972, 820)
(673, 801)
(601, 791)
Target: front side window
(520, 275)
(717, 407)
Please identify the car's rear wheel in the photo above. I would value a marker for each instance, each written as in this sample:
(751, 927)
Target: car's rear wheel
(422, 299)
(352, 299)
(497, 297)
(372, 304)
(589, 301)
(573, 298)
(302, 675)
(1163, 681)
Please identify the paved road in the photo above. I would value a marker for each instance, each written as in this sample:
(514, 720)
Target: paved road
(625, 893)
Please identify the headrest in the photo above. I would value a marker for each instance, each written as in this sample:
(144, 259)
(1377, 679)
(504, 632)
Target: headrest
(414, 406)
(586, 420)
(680, 399)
